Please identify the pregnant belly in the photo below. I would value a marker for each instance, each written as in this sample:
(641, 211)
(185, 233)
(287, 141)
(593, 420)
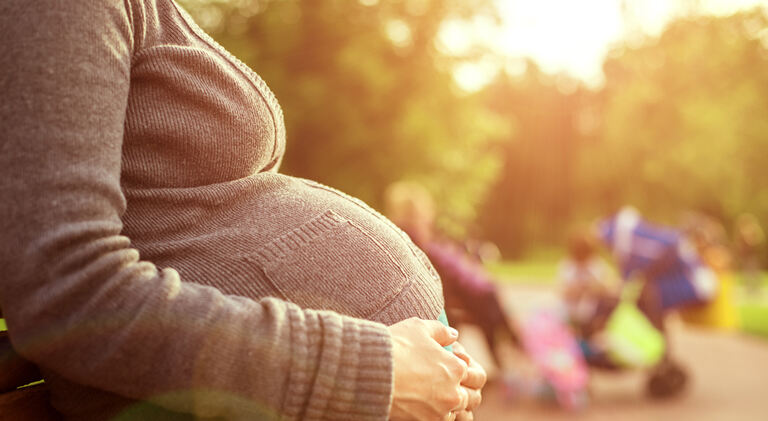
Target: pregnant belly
(294, 239)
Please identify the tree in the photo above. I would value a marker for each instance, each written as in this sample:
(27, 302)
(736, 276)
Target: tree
(534, 198)
(685, 120)
(367, 97)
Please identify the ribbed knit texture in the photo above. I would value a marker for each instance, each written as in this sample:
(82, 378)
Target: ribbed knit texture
(143, 226)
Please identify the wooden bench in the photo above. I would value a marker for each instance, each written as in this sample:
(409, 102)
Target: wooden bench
(18, 403)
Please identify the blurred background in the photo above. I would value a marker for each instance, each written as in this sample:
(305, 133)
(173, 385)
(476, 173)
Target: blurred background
(522, 118)
(527, 119)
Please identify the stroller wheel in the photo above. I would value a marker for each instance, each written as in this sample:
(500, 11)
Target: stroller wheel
(667, 380)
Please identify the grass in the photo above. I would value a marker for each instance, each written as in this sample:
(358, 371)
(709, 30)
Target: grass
(754, 317)
(521, 272)
(538, 267)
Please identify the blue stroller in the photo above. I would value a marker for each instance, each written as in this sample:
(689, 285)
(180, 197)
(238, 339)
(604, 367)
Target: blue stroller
(672, 277)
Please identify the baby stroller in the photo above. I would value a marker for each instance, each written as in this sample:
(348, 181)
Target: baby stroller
(555, 353)
(626, 339)
(662, 273)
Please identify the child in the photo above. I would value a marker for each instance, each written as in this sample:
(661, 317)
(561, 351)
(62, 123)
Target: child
(586, 290)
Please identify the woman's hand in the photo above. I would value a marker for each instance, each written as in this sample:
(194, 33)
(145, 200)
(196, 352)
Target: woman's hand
(473, 382)
(427, 377)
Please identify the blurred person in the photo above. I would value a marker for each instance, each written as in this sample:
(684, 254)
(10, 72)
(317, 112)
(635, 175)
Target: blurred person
(470, 293)
(485, 251)
(749, 246)
(710, 240)
(586, 284)
(154, 258)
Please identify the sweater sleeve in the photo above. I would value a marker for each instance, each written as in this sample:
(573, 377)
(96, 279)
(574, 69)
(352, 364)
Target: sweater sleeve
(77, 298)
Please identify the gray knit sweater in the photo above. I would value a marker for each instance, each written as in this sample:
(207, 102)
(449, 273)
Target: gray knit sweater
(144, 228)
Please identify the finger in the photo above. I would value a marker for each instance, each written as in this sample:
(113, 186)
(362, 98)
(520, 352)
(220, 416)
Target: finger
(450, 417)
(459, 351)
(474, 398)
(465, 416)
(443, 334)
(457, 367)
(463, 399)
(475, 376)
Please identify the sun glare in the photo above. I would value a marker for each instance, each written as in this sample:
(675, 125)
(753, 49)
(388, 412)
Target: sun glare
(472, 76)
(564, 36)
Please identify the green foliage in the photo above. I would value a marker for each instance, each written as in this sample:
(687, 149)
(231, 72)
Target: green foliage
(681, 123)
(367, 98)
(535, 194)
(685, 120)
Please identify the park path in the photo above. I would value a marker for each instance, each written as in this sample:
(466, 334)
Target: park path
(729, 377)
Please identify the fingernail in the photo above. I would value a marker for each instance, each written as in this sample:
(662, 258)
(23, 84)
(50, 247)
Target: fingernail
(454, 332)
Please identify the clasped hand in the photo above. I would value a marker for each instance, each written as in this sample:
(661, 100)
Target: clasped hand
(430, 382)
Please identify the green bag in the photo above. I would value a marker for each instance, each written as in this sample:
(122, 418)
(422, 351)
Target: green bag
(631, 339)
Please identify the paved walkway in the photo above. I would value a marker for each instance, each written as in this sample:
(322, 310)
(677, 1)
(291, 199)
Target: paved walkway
(729, 378)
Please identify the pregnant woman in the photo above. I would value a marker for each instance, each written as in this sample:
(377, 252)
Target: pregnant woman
(151, 252)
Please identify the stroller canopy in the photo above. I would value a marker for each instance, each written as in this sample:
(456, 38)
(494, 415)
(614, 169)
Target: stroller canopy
(658, 254)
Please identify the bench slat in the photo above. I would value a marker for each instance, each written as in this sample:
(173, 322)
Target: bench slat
(27, 404)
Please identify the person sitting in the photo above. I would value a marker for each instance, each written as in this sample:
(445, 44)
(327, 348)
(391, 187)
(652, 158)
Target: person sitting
(469, 290)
